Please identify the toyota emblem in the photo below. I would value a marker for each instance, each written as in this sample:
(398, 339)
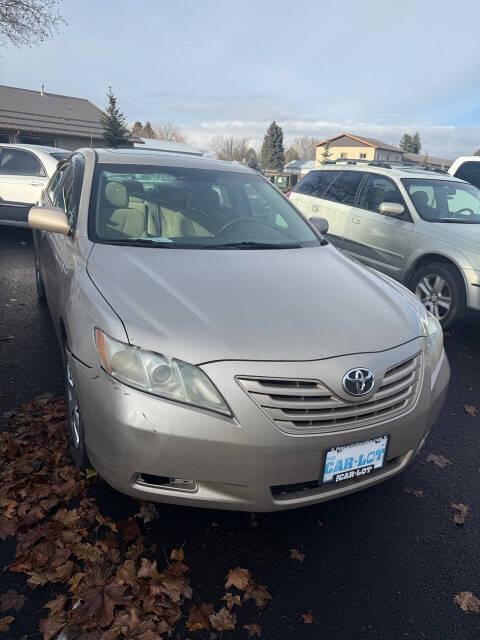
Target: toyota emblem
(358, 382)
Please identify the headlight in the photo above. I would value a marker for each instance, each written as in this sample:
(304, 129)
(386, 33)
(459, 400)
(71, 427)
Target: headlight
(158, 374)
(434, 333)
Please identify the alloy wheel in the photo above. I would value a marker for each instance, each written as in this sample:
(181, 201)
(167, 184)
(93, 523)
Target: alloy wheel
(434, 293)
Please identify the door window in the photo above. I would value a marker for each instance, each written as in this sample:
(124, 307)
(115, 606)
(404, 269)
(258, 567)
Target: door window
(65, 190)
(469, 171)
(377, 190)
(345, 186)
(20, 163)
(315, 183)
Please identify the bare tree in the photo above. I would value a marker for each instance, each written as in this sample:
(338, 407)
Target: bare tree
(230, 147)
(305, 148)
(27, 22)
(169, 131)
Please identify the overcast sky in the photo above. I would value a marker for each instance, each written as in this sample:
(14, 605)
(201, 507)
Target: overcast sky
(318, 67)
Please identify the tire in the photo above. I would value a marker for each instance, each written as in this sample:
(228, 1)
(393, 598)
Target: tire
(441, 290)
(75, 427)
(39, 282)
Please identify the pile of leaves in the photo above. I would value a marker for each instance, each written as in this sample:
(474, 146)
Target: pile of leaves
(109, 584)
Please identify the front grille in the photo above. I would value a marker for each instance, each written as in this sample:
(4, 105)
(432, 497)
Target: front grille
(308, 406)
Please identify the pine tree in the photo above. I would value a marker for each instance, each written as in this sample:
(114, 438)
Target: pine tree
(326, 153)
(113, 121)
(137, 129)
(416, 145)
(273, 156)
(251, 159)
(477, 152)
(148, 131)
(406, 143)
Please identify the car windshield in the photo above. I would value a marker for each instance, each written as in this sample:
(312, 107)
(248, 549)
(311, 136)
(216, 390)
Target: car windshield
(178, 207)
(444, 200)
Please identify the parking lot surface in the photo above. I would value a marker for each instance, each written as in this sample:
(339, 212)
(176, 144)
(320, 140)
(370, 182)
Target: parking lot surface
(383, 563)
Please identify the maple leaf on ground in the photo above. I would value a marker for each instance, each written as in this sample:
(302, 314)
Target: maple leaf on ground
(239, 578)
(11, 600)
(51, 626)
(5, 623)
(147, 512)
(129, 529)
(439, 460)
(7, 528)
(254, 630)
(258, 594)
(127, 573)
(414, 492)
(296, 555)
(98, 606)
(223, 620)
(177, 555)
(461, 511)
(57, 605)
(470, 409)
(231, 600)
(467, 602)
(307, 617)
(199, 617)
(36, 578)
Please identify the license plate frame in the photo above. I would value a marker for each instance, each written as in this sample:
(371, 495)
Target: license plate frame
(350, 473)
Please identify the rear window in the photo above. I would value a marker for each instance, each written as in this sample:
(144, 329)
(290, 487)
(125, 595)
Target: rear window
(469, 171)
(315, 183)
(344, 188)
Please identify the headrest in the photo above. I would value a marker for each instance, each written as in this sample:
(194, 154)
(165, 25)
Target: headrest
(206, 199)
(134, 186)
(171, 195)
(420, 199)
(117, 195)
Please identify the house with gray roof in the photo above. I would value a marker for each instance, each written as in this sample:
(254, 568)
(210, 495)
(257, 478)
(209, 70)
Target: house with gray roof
(50, 119)
(347, 146)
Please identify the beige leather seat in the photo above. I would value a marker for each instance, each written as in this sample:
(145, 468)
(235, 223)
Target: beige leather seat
(120, 218)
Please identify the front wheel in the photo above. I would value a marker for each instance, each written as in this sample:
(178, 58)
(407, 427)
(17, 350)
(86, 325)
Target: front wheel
(441, 290)
(76, 432)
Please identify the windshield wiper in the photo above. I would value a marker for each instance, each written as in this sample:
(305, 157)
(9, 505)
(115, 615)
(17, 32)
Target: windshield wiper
(252, 245)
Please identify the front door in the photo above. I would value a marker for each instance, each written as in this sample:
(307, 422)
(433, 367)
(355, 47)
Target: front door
(378, 240)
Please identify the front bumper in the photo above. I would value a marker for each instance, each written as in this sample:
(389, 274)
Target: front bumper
(243, 463)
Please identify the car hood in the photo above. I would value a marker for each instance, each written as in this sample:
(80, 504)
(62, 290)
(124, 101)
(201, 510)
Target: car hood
(465, 237)
(286, 304)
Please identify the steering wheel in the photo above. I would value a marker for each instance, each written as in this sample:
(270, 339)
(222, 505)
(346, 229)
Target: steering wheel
(467, 209)
(232, 223)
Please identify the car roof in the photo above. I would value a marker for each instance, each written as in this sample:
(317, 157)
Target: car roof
(392, 171)
(166, 159)
(35, 147)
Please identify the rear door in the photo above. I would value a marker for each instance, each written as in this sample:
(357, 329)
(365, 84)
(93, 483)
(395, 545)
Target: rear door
(308, 196)
(22, 178)
(380, 241)
(337, 204)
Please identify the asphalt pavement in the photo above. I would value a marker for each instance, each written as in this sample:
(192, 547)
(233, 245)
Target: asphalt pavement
(380, 564)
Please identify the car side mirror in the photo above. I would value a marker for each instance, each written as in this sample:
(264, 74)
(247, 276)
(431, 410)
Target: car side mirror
(320, 224)
(49, 219)
(392, 209)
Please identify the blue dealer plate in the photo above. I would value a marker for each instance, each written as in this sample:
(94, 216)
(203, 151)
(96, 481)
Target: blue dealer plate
(354, 460)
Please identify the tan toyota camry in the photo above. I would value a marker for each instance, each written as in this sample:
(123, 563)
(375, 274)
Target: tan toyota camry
(218, 350)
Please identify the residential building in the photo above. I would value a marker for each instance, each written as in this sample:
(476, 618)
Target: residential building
(427, 160)
(349, 147)
(38, 117)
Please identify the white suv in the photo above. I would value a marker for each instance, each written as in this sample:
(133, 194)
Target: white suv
(24, 171)
(419, 227)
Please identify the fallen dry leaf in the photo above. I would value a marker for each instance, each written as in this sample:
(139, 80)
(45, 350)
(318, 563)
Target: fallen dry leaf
(307, 617)
(147, 512)
(415, 492)
(258, 594)
(177, 554)
(11, 600)
(199, 617)
(470, 409)
(129, 529)
(5, 623)
(439, 460)
(254, 630)
(296, 555)
(239, 578)
(223, 620)
(467, 602)
(232, 600)
(51, 626)
(461, 511)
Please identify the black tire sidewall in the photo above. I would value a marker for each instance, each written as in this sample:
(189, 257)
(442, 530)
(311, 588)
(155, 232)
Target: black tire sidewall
(455, 283)
(38, 281)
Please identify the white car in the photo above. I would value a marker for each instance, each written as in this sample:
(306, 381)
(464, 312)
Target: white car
(25, 170)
